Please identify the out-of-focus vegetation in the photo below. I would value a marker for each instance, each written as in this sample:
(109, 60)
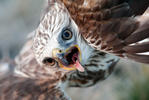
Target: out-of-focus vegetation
(130, 81)
(139, 89)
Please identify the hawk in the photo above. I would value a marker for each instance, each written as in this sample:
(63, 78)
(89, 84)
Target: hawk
(77, 43)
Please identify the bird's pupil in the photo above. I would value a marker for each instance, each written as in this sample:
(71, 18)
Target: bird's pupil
(66, 34)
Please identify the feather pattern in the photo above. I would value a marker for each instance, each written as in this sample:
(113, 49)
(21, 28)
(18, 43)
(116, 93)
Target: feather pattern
(21, 88)
(109, 26)
(106, 25)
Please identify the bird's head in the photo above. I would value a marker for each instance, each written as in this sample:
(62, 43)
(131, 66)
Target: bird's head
(57, 39)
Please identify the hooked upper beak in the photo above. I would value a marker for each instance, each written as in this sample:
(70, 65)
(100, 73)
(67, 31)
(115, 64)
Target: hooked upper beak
(68, 59)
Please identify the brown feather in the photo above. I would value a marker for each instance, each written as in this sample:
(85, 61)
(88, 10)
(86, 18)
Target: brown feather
(107, 25)
(19, 88)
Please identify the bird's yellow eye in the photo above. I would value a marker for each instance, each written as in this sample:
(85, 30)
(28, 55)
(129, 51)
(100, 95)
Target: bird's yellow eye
(67, 34)
(49, 61)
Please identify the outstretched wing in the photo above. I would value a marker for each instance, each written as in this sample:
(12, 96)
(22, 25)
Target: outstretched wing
(109, 26)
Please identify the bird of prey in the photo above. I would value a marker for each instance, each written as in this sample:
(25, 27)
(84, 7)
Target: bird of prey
(77, 43)
(57, 39)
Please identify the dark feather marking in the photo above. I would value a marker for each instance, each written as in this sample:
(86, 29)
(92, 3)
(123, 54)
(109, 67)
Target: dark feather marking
(139, 58)
(138, 48)
(137, 36)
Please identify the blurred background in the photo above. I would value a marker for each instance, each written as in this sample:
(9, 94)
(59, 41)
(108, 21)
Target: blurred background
(129, 81)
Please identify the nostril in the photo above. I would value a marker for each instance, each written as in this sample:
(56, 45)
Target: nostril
(49, 61)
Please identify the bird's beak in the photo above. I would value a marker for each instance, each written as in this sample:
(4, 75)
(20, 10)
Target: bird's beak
(68, 59)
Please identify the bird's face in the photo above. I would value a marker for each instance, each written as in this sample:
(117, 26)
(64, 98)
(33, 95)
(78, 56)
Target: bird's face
(57, 40)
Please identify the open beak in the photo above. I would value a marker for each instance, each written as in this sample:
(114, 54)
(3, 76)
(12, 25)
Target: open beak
(69, 59)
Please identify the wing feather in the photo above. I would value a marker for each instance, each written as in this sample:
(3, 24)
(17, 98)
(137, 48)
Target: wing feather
(125, 38)
(109, 26)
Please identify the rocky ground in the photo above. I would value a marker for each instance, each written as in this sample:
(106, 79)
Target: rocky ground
(19, 17)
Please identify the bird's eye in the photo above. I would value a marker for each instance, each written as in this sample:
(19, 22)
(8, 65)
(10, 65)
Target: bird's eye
(67, 34)
(49, 61)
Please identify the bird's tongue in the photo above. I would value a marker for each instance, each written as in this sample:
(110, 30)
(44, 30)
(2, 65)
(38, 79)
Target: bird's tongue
(79, 66)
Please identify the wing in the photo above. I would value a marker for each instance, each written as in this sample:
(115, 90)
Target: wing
(136, 8)
(19, 88)
(109, 26)
(124, 37)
